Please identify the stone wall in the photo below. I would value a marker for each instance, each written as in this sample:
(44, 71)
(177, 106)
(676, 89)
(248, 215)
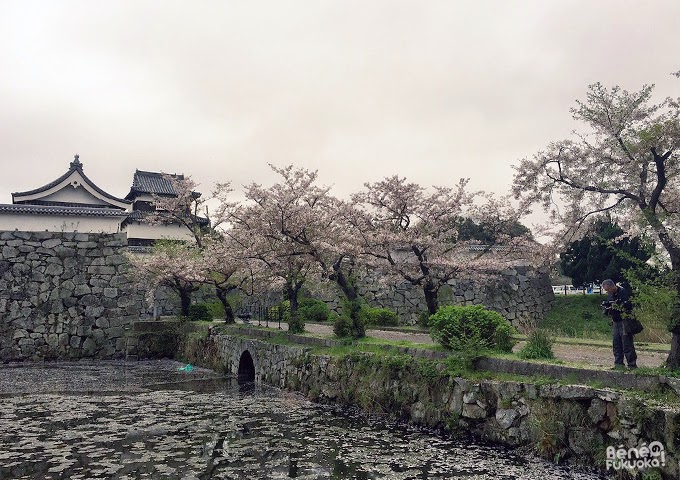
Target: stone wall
(571, 423)
(64, 295)
(523, 295)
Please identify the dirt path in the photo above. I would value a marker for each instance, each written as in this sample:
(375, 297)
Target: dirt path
(603, 357)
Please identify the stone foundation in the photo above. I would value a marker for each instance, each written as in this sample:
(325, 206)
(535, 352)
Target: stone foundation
(522, 295)
(64, 295)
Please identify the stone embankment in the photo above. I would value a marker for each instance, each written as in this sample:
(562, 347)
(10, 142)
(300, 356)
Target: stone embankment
(571, 423)
(521, 294)
(64, 295)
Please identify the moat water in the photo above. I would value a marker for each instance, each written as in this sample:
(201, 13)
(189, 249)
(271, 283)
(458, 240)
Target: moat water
(147, 420)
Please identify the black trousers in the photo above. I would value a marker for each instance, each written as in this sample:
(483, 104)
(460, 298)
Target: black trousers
(623, 346)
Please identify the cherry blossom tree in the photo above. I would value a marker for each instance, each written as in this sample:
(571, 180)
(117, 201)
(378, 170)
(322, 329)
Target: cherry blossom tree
(173, 265)
(263, 227)
(625, 162)
(214, 259)
(226, 269)
(414, 235)
(304, 232)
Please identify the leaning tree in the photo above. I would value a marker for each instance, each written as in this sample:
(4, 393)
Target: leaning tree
(268, 227)
(174, 265)
(624, 162)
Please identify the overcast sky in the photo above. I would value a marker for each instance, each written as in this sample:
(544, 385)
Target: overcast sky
(430, 90)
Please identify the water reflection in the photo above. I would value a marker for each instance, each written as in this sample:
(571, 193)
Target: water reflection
(216, 428)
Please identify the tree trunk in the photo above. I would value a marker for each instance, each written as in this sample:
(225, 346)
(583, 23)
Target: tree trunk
(673, 360)
(431, 300)
(292, 294)
(185, 300)
(295, 325)
(345, 285)
(226, 306)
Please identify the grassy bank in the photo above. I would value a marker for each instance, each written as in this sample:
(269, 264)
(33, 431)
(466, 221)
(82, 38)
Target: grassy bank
(580, 316)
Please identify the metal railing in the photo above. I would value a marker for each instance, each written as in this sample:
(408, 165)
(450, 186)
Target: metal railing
(262, 312)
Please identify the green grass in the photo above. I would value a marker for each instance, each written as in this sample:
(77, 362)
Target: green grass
(401, 343)
(578, 316)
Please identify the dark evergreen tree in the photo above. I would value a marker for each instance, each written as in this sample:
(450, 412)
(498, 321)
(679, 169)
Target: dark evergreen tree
(488, 233)
(599, 256)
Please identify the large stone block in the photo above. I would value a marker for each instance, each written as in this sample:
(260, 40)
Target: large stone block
(64, 252)
(94, 311)
(127, 301)
(54, 269)
(106, 270)
(87, 245)
(110, 292)
(89, 301)
(81, 290)
(51, 243)
(506, 417)
(9, 252)
(89, 347)
(70, 262)
(102, 322)
(115, 260)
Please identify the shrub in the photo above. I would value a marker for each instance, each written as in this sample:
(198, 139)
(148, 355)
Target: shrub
(342, 326)
(296, 325)
(345, 327)
(539, 345)
(199, 311)
(379, 316)
(471, 328)
(216, 309)
(313, 310)
(424, 319)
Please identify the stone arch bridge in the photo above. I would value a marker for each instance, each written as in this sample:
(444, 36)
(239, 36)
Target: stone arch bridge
(254, 360)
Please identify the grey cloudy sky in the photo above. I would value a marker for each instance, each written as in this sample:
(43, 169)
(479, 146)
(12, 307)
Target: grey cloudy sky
(430, 90)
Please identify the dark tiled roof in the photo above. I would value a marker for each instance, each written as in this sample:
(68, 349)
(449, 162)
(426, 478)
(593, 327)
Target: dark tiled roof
(73, 167)
(60, 210)
(68, 204)
(152, 182)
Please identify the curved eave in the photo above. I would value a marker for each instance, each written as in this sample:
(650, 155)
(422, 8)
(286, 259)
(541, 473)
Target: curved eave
(135, 192)
(139, 216)
(27, 196)
(22, 209)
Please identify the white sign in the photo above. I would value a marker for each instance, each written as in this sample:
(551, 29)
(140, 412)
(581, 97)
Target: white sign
(639, 458)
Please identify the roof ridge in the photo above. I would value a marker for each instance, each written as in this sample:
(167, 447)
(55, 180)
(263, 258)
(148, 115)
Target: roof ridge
(160, 174)
(75, 166)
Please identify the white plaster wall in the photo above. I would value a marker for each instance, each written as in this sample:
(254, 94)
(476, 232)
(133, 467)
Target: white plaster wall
(58, 223)
(153, 232)
(144, 197)
(74, 195)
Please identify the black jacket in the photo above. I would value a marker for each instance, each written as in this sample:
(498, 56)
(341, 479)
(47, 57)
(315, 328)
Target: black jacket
(620, 304)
